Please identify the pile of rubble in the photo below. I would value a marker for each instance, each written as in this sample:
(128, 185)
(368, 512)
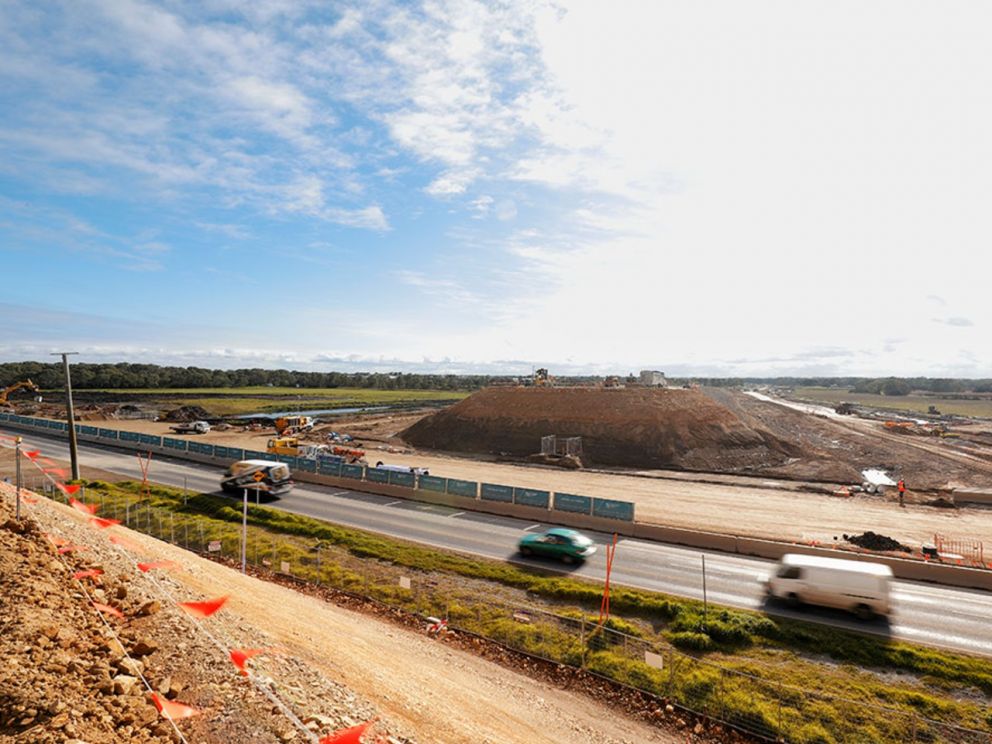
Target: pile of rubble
(873, 541)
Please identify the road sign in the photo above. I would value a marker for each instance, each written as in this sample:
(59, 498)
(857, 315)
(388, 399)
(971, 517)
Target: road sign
(213, 546)
(259, 476)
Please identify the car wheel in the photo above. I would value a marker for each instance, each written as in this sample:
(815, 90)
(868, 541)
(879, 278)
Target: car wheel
(864, 612)
(567, 559)
(792, 599)
(526, 551)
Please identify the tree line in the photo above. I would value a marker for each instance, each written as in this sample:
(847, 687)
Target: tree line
(124, 376)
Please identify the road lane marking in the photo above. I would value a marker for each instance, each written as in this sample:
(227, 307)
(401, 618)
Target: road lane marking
(394, 503)
(528, 529)
(456, 514)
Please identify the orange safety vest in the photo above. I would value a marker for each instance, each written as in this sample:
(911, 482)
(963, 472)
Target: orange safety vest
(902, 487)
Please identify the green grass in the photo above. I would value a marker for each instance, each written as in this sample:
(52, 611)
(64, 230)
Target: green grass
(784, 666)
(907, 403)
(260, 399)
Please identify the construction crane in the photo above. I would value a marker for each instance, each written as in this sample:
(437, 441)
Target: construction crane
(5, 393)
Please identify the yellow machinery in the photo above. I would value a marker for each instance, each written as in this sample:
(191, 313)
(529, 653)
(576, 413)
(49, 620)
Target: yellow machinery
(26, 384)
(284, 446)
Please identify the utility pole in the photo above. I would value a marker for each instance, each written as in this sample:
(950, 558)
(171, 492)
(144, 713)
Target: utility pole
(17, 477)
(73, 454)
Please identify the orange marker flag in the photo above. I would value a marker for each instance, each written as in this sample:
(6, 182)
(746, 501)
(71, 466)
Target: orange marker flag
(125, 543)
(71, 548)
(32, 454)
(174, 711)
(203, 609)
(351, 735)
(79, 505)
(146, 567)
(68, 490)
(240, 657)
(87, 573)
(55, 540)
(109, 610)
(102, 523)
(60, 472)
(29, 499)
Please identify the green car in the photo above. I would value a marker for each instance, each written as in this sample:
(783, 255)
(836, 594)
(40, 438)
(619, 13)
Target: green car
(558, 542)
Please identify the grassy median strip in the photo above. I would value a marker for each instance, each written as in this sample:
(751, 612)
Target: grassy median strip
(806, 681)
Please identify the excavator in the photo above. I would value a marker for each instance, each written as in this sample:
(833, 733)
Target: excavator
(26, 384)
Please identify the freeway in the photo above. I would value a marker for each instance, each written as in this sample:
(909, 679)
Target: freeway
(924, 613)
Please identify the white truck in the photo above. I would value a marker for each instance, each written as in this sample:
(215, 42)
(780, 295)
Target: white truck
(856, 586)
(191, 427)
(402, 468)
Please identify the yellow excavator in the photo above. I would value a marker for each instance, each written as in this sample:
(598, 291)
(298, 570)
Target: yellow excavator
(25, 384)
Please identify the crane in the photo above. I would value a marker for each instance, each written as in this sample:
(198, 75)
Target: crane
(17, 386)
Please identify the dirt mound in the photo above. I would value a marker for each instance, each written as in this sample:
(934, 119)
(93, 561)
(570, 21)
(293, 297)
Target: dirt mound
(637, 427)
(184, 414)
(872, 541)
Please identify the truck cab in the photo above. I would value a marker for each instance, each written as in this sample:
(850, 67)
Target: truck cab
(265, 478)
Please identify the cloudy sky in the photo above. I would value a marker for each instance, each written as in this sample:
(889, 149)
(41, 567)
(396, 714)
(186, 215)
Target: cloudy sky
(715, 188)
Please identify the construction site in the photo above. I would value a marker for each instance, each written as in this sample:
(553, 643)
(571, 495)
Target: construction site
(714, 459)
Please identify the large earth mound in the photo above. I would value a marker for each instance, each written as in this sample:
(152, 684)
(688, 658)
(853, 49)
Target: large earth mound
(638, 427)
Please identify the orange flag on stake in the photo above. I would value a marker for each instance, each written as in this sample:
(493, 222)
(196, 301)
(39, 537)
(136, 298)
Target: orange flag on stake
(101, 523)
(79, 505)
(86, 574)
(109, 610)
(203, 609)
(351, 735)
(32, 454)
(125, 543)
(240, 657)
(174, 711)
(68, 490)
(29, 499)
(146, 567)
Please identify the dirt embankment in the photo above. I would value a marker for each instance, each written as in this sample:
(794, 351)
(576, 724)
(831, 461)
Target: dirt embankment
(636, 427)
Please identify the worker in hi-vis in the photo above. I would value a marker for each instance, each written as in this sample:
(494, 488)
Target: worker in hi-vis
(902, 492)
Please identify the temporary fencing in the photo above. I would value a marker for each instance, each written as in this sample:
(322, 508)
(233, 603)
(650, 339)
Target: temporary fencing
(195, 611)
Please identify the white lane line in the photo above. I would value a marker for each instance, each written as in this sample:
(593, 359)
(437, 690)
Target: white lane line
(528, 529)
(456, 514)
(394, 503)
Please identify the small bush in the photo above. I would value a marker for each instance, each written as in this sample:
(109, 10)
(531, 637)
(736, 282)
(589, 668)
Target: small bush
(691, 641)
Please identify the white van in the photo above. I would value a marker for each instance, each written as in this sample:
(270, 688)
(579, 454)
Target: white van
(857, 586)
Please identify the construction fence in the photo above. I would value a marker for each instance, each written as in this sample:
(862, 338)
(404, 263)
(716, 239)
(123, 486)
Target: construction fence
(749, 700)
(336, 467)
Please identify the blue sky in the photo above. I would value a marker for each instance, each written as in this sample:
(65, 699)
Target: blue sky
(782, 189)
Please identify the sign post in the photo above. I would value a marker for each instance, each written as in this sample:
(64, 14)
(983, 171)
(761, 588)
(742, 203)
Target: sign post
(17, 477)
(244, 531)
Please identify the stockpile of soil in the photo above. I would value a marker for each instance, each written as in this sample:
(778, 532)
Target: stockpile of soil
(184, 414)
(639, 427)
(872, 541)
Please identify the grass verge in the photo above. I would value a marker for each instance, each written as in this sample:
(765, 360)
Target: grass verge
(777, 677)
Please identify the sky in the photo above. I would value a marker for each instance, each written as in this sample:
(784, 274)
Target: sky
(718, 189)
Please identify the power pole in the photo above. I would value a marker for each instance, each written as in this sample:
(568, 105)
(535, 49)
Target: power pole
(73, 454)
(17, 477)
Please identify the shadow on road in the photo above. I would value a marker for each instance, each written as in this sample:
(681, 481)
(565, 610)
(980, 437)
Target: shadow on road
(879, 625)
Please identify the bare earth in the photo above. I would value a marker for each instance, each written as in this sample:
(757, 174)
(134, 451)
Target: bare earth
(423, 689)
(729, 504)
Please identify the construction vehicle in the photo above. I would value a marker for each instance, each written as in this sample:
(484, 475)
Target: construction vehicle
(25, 384)
(542, 378)
(286, 425)
(264, 478)
(349, 455)
(293, 447)
(191, 427)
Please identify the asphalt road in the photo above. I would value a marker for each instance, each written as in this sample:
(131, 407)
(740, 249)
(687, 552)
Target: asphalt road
(924, 613)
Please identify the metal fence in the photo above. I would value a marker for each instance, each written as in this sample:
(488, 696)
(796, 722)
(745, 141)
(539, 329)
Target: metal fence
(739, 698)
